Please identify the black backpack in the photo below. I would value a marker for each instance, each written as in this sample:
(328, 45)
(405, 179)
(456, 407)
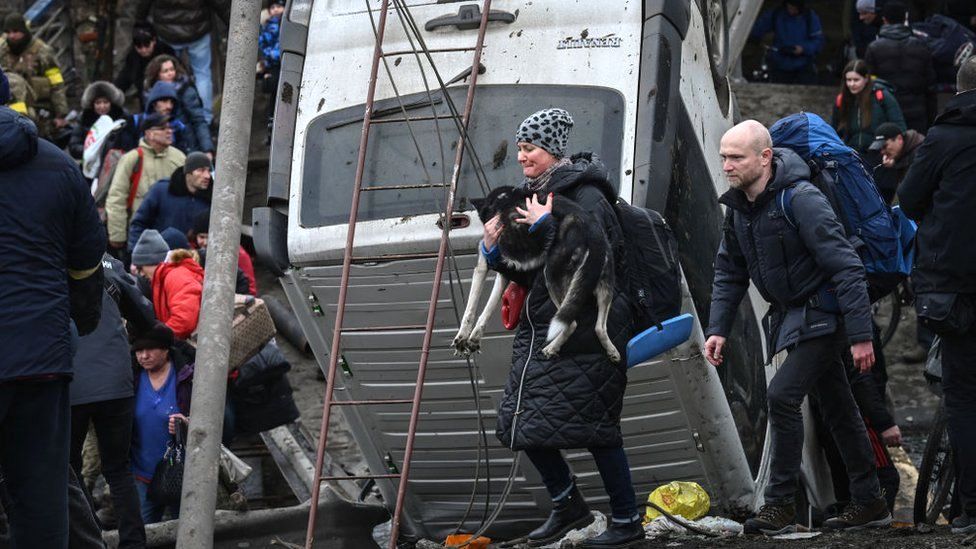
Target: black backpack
(652, 275)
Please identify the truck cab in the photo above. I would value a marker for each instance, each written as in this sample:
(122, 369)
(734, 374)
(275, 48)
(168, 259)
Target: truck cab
(646, 83)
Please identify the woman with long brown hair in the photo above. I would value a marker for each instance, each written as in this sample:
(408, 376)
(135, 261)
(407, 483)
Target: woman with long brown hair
(166, 68)
(863, 104)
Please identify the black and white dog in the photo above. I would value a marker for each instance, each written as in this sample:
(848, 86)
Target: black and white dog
(577, 263)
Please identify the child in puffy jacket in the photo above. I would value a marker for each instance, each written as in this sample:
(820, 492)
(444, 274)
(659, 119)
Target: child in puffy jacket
(269, 66)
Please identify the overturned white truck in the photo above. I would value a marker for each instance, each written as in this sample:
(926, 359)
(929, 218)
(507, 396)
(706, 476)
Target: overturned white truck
(646, 81)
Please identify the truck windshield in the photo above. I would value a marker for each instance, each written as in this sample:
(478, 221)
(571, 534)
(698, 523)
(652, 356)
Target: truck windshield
(332, 146)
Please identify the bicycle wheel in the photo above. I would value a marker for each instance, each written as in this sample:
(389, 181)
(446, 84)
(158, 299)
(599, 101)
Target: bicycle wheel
(887, 314)
(936, 474)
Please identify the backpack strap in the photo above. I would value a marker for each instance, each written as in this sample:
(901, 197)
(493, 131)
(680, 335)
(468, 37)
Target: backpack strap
(879, 95)
(839, 102)
(134, 181)
(785, 200)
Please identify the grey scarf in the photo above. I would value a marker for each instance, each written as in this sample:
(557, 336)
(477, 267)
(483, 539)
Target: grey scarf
(540, 182)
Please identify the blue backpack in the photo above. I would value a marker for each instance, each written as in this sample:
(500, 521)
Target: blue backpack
(882, 238)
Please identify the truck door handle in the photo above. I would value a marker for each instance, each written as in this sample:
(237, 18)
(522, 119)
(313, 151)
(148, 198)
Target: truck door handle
(468, 17)
(458, 221)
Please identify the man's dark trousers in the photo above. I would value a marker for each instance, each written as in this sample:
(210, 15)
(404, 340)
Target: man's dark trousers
(817, 366)
(113, 427)
(34, 431)
(959, 388)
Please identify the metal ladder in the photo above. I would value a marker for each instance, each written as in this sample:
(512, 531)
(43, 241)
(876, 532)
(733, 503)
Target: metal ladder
(348, 259)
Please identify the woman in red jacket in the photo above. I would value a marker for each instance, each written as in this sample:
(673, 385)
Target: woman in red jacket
(177, 282)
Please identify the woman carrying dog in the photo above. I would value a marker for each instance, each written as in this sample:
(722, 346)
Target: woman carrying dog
(574, 399)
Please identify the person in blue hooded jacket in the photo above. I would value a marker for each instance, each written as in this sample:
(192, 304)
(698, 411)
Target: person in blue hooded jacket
(51, 244)
(798, 39)
(190, 130)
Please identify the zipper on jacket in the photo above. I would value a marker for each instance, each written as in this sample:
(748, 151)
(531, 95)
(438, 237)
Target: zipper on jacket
(786, 264)
(525, 367)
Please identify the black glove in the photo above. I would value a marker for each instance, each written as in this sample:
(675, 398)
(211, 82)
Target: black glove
(85, 296)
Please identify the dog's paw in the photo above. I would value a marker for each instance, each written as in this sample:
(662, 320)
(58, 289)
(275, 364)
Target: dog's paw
(550, 351)
(613, 355)
(472, 346)
(556, 328)
(460, 343)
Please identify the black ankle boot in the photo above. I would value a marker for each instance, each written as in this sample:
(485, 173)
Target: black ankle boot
(569, 513)
(618, 534)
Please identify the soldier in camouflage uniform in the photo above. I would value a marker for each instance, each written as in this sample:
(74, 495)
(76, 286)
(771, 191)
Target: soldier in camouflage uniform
(42, 89)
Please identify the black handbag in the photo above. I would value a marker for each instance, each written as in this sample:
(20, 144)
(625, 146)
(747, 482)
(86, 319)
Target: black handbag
(167, 483)
(946, 314)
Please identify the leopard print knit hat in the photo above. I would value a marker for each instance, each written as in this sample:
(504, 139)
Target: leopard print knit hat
(548, 129)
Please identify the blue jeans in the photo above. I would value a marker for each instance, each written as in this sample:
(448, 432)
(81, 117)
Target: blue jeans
(614, 470)
(152, 512)
(199, 53)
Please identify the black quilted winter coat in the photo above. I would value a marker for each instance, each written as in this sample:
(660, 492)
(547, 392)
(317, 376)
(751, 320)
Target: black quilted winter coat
(788, 264)
(903, 60)
(573, 400)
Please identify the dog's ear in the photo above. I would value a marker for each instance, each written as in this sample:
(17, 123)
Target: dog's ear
(478, 203)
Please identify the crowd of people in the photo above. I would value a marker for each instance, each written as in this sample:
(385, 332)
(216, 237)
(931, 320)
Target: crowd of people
(106, 393)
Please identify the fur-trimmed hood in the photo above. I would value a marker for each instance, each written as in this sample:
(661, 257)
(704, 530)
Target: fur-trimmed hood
(101, 88)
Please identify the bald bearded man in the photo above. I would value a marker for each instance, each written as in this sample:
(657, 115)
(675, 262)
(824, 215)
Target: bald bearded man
(808, 271)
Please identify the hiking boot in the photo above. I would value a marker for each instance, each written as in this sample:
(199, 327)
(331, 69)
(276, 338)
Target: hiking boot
(772, 520)
(857, 516)
(568, 513)
(618, 534)
(963, 524)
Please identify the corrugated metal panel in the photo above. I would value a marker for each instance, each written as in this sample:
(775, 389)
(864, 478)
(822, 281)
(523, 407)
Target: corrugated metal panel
(658, 431)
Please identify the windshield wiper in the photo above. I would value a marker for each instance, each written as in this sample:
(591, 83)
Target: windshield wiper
(379, 113)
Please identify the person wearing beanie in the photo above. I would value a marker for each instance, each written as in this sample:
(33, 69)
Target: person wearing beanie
(153, 160)
(797, 40)
(905, 61)
(176, 281)
(543, 142)
(175, 239)
(163, 388)
(145, 47)
(175, 201)
(865, 24)
(36, 62)
(149, 251)
(247, 282)
(101, 98)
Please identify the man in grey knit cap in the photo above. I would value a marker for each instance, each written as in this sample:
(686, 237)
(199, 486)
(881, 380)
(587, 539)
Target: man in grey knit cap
(149, 252)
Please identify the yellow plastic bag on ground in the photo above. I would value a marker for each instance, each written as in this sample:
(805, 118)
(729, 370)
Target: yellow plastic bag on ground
(685, 499)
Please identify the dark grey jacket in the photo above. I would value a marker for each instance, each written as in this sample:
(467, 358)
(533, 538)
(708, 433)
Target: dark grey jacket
(789, 266)
(102, 364)
(904, 60)
(180, 22)
(573, 400)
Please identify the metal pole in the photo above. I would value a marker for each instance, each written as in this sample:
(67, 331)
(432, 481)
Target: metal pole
(216, 313)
